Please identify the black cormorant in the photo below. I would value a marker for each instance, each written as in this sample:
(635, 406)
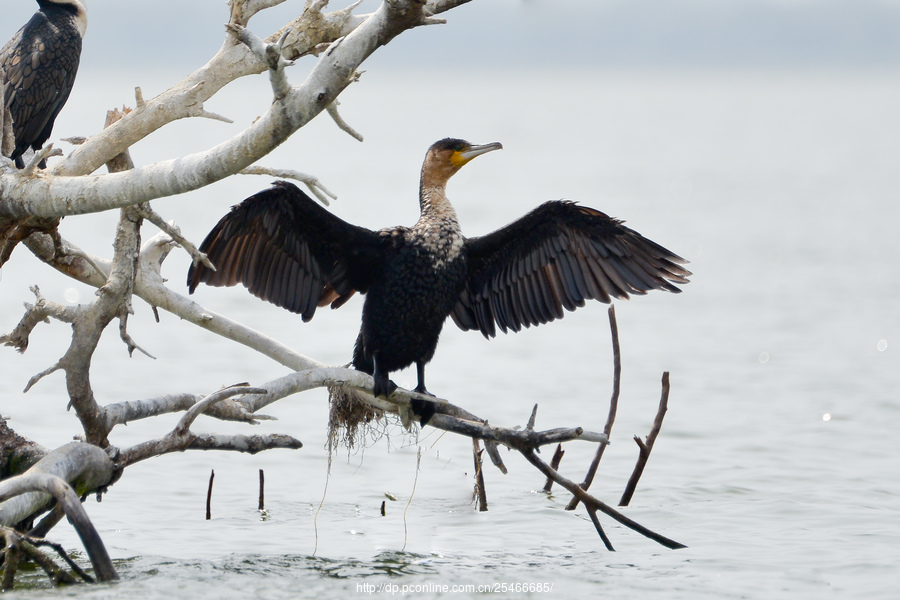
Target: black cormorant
(38, 66)
(288, 250)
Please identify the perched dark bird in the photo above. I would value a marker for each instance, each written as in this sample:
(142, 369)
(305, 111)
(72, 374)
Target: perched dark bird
(288, 250)
(38, 66)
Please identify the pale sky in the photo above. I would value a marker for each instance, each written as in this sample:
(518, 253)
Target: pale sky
(497, 33)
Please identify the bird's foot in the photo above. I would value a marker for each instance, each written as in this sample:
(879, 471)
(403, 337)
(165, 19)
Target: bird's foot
(423, 408)
(384, 387)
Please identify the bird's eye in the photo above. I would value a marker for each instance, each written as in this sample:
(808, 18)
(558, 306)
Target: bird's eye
(459, 147)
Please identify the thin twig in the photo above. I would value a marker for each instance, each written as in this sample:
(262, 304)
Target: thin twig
(212, 476)
(592, 502)
(554, 464)
(174, 233)
(646, 446)
(596, 521)
(613, 405)
(315, 186)
(63, 555)
(262, 491)
(339, 121)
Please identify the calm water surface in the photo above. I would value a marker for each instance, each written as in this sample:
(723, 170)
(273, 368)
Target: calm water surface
(775, 465)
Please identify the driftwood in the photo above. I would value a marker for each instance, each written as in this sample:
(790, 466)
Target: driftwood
(62, 476)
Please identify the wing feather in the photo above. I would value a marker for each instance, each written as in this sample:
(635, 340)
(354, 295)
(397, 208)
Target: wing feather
(286, 249)
(555, 258)
(39, 65)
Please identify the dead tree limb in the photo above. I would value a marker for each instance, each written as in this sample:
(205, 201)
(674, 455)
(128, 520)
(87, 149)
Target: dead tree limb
(596, 521)
(182, 438)
(38, 542)
(646, 446)
(17, 545)
(480, 491)
(63, 475)
(591, 502)
(209, 489)
(261, 505)
(554, 464)
(613, 406)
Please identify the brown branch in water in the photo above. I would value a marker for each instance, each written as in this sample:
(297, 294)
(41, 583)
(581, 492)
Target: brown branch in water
(554, 464)
(613, 405)
(262, 491)
(11, 555)
(480, 491)
(212, 476)
(596, 521)
(646, 446)
(63, 555)
(510, 437)
(17, 545)
(592, 503)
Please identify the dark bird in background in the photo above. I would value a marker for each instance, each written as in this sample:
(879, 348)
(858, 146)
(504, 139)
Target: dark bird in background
(288, 250)
(38, 66)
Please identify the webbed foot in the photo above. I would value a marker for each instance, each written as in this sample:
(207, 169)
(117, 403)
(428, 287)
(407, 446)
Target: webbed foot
(423, 408)
(384, 387)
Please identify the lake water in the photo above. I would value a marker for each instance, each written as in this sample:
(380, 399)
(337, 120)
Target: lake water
(776, 464)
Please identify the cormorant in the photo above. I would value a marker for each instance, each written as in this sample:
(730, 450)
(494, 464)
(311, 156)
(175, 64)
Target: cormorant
(38, 66)
(288, 250)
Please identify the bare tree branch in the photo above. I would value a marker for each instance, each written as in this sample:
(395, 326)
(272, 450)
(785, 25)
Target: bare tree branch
(613, 405)
(592, 503)
(335, 69)
(645, 447)
(63, 475)
(16, 544)
(480, 491)
(312, 183)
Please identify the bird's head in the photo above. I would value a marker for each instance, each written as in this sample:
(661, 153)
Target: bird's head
(447, 156)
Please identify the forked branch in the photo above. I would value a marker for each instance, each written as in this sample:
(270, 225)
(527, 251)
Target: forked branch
(646, 446)
(592, 503)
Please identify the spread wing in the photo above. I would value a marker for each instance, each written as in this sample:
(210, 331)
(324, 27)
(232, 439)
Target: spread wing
(286, 249)
(556, 257)
(38, 65)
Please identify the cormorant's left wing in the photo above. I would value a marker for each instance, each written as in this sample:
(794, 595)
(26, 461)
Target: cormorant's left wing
(556, 257)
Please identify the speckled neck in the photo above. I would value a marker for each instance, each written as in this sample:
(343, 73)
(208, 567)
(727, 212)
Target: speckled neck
(435, 206)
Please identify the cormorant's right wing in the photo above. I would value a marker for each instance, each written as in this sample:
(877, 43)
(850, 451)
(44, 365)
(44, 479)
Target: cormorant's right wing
(286, 249)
